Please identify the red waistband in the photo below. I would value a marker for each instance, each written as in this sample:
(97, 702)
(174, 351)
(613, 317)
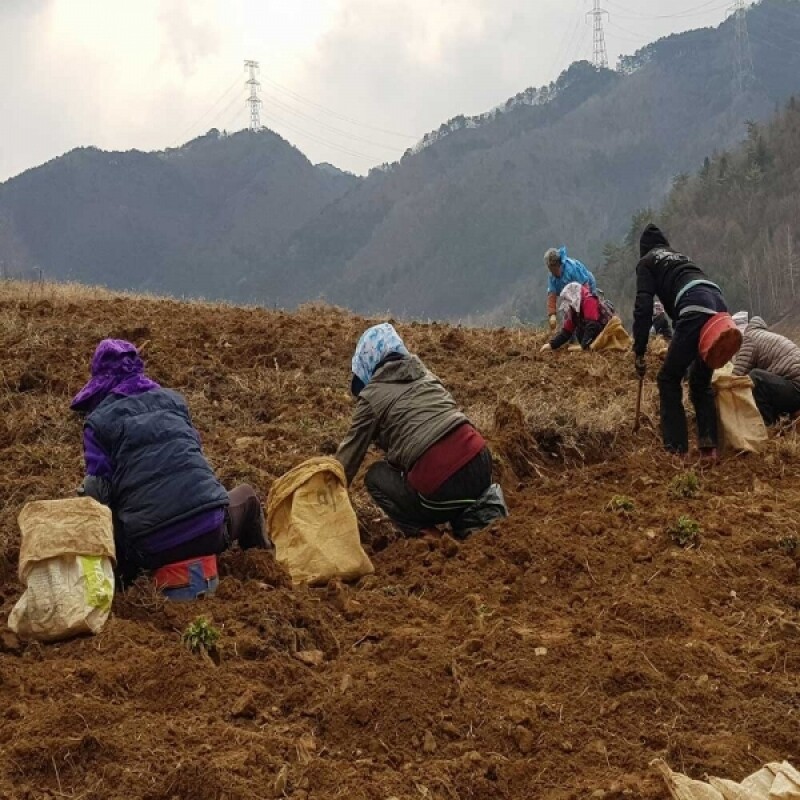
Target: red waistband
(442, 460)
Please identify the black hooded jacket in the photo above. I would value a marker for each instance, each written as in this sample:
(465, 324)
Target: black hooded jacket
(663, 272)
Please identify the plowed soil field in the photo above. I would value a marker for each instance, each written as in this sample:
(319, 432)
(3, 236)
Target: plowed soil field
(553, 655)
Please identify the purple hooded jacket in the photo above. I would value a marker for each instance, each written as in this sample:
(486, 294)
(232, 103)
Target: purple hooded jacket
(117, 368)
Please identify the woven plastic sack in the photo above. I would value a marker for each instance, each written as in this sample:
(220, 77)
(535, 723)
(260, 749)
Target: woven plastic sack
(66, 563)
(772, 782)
(613, 337)
(313, 526)
(741, 427)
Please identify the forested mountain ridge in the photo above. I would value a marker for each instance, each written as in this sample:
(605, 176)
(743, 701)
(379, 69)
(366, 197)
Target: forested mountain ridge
(460, 226)
(191, 220)
(739, 218)
(455, 229)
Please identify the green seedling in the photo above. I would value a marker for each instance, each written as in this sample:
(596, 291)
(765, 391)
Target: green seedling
(621, 503)
(685, 532)
(201, 636)
(685, 485)
(788, 544)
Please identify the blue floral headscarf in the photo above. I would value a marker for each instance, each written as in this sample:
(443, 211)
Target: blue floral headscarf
(374, 345)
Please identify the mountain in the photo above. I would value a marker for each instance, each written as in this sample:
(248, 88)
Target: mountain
(191, 220)
(739, 217)
(456, 228)
(460, 224)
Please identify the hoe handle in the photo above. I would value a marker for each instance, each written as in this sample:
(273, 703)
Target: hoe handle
(636, 423)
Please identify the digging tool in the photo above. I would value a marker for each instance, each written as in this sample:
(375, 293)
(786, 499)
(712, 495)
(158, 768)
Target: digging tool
(637, 421)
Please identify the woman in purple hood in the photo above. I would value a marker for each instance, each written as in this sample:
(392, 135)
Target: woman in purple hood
(144, 460)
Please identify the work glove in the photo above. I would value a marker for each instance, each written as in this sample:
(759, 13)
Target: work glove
(641, 366)
(545, 348)
(553, 322)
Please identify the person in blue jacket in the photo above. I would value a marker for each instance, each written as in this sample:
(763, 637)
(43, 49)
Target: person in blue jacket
(564, 270)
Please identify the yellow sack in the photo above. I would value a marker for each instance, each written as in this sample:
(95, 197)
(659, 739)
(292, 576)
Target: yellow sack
(66, 563)
(741, 427)
(613, 337)
(313, 525)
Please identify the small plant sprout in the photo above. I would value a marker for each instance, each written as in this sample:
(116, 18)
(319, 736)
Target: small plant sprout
(788, 544)
(685, 532)
(685, 485)
(201, 636)
(621, 503)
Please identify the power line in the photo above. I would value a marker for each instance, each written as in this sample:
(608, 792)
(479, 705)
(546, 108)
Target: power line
(208, 111)
(692, 12)
(280, 104)
(314, 137)
(336, 114)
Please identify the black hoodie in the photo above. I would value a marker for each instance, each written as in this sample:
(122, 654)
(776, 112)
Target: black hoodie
(663, 272)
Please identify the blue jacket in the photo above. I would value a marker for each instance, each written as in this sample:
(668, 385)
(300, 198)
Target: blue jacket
(160, 476)
(572, 271)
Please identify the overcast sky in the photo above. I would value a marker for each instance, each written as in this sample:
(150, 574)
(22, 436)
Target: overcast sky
(352, 82)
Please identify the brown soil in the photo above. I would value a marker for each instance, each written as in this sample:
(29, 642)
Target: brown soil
(551, 656)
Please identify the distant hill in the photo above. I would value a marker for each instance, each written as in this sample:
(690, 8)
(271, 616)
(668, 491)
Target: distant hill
(192, 220)
(459, 226)
(739, 217)
(456, 228)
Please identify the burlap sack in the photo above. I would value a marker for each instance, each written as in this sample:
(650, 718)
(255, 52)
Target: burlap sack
(613, 337)
(741, 427)
(66, 561)
(313, 526)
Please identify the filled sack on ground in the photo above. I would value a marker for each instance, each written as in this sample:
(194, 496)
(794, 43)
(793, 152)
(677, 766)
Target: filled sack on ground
(66, 563)
(313, 526)
(613, 337)
(741, 427)
(773, 782)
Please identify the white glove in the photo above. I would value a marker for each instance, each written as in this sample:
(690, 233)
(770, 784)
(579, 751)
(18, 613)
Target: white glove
(545, 348)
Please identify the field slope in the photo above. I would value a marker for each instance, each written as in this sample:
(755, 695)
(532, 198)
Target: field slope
(551, 656)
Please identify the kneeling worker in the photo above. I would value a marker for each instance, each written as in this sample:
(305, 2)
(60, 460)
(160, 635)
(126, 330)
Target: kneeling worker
(438, 468)
(584, 315)
(773, 364)
(144, 460)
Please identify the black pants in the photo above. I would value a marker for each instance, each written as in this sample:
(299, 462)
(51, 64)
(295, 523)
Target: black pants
(774, 395)
(410, 511)
(682, 358)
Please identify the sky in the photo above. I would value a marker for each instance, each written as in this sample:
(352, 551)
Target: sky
(350, 82)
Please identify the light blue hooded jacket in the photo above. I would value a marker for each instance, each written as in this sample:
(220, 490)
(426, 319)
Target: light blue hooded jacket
(572, 271)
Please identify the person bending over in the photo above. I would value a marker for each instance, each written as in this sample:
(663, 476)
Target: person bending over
(438, 468)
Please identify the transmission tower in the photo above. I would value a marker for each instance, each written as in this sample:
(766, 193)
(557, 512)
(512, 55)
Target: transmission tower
(743, 55)
(599, 55)
(253, 100)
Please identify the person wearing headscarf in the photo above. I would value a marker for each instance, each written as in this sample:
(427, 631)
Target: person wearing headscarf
(584, 317)
(661, 326)
(144, 460)
(773, 364)
(689, 299)
(438, 468)
(563, 270)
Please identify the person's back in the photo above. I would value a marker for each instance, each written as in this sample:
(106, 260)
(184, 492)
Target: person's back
(413, 409)
(150, 436)
(145, 462)
(438, 468)
(765, 350)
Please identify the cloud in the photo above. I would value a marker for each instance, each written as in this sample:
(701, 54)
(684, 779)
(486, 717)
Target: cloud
(148, 74)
